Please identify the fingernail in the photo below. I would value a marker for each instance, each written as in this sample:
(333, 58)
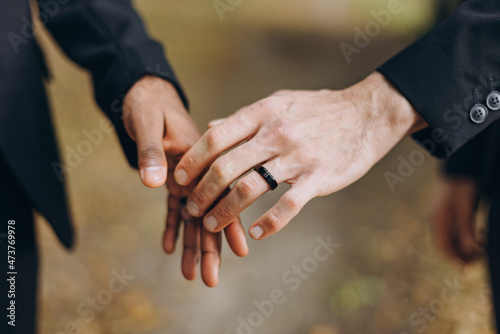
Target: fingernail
(211, 223)
(153, 173)
(256, 232)
(181, 176)
(193, 209)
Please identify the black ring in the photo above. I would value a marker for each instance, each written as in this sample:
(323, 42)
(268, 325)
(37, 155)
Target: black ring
(267, 176)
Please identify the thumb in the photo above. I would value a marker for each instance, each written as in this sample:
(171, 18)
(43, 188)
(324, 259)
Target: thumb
(152, 160)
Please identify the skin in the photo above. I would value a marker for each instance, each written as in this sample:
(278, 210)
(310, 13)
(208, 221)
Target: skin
(317, 141)
(156, 119)
(454, 219)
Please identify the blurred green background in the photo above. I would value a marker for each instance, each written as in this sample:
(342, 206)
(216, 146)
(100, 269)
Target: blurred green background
(386, 270)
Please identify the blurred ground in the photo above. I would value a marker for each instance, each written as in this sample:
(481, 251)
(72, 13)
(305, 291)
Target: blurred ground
(381, 279)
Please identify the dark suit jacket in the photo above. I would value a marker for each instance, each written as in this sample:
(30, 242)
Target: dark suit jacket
(106, 37)
(479, 159)
(439, 73)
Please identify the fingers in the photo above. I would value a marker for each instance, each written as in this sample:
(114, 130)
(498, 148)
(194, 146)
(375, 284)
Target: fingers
(221, 174)
(148, 134)
(443, 230)
(211, 245)
(466, 247)
(244, 193)
(210, 257)
(179, 191)
(190, 255)
(215, 141)
(172, 226)
(454, 224)
(235, 236)
(288, 206)
(210, 242)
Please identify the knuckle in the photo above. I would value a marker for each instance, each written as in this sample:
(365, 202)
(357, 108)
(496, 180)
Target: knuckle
(266, 104)
(150, 153)
(214, 136)
(272, 222)
(212, 190)
(283, 131)
(190, 248)
(199, 197)
(221, 169)
(246, 187)
(189, 160)
(223, 212)
(292, 202)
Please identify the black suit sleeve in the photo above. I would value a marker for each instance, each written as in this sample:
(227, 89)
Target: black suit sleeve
(108, 38)
(468, 160)
(439, 72)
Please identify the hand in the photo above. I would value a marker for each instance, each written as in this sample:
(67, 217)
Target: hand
(156, 119)
(454, 218)
(318, 142)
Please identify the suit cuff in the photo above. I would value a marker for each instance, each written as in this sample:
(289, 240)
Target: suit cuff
(439, 73)
(450, 125)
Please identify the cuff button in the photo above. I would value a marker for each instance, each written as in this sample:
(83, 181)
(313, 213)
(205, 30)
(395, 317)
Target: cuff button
(493, 101)
(478, 113)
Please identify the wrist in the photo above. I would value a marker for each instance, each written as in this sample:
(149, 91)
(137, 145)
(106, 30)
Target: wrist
(386, 104)
(383, 116)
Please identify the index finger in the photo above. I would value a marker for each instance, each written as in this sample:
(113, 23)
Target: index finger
(211, 244)
(216, 140)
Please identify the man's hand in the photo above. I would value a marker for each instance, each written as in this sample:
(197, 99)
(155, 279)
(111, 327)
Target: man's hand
(156, 119)
(158, 122)
(318, 142)
(454, 218)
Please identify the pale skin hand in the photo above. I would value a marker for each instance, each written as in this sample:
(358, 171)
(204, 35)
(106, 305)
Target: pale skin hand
(317, 141)
(454, 219)
(156, 119)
